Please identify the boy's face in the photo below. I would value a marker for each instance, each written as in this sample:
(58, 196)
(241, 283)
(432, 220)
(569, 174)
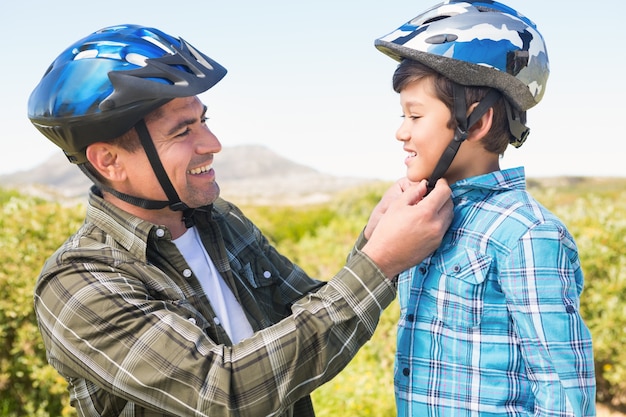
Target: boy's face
(424, 130)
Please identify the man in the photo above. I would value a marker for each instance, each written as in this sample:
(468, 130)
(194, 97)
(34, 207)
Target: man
(169, 301)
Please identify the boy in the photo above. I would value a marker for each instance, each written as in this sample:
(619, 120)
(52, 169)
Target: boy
(490, 322)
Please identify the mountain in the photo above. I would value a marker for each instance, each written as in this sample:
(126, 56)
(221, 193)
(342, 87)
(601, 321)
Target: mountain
(247, 173)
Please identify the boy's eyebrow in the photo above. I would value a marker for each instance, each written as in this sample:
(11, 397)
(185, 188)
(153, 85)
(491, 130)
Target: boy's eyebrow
(186, 122)
(413, 103)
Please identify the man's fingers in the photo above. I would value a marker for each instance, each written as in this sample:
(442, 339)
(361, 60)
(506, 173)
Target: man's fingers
(440, 196)
(414, 193)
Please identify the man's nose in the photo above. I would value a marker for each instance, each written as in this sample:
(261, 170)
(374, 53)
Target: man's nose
(208, 143)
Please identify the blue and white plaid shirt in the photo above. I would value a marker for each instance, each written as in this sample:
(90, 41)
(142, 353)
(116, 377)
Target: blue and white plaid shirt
(490, 323)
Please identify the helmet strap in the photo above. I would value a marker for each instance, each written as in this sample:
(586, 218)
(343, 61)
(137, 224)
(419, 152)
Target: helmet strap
(157, 167)
(135, 201)
(464, 123)
(153, 157)
(519, 131)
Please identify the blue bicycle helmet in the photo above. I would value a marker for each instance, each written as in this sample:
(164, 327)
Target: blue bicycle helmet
(102, 85)
(106, 83)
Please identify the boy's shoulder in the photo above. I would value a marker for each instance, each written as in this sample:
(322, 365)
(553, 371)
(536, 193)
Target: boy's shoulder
(505, 216)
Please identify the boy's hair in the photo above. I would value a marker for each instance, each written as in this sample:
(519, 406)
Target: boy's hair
(498, 137)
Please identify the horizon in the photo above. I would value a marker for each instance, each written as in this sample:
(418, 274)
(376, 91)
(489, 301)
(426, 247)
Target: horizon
(306, 81)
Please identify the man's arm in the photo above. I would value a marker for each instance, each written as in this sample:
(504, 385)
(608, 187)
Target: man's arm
(102, 324)
(101, 321)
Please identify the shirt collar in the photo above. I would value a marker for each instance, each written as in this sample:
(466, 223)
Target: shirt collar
(507, 179)
(127, 230)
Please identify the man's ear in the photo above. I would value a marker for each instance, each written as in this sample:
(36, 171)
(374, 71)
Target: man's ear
(106, 160)
(480, 129)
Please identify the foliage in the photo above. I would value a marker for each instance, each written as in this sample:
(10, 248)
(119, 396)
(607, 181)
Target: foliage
(318, 237)
(30, 230)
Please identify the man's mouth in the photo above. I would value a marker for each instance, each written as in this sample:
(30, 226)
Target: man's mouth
(200, 170)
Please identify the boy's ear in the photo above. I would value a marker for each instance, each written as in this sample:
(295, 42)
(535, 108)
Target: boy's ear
(480, 129)
(105, 158)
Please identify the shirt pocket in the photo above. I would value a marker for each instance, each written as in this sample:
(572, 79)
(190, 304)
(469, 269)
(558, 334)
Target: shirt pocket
(257, 271)
(456, 286)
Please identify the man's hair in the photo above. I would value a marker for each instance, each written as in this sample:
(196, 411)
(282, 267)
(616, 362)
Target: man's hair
(128, 141)
(496, 140)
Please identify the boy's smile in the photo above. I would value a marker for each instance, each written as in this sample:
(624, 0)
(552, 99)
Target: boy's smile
(424, 130)
(427, 131)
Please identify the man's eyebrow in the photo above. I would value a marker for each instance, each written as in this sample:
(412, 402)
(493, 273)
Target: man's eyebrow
(186, 122)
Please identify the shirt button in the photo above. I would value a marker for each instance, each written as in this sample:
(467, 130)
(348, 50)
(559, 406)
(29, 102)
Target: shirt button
(216, 321)
(267, 274)
(192, 320)
(410, 318)
(406, 372)
(160, 232)
(422, 270)
(570, 309)
(456, 268)
(187, 273)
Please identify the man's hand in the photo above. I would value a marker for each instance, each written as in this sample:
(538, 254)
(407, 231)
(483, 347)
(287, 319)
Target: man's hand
(406, 227)
(390, 195)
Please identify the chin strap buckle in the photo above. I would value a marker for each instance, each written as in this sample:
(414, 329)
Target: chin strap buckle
(519, 131)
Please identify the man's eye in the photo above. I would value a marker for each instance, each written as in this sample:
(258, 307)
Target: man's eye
(204, 119)
(183, 133)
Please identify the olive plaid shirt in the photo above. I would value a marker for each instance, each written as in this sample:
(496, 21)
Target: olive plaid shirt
(127, 324)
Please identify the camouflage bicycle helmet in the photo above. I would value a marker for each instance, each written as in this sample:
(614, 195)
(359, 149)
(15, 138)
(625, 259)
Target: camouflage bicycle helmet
(106, 83)
(476, 43)
(102, 85)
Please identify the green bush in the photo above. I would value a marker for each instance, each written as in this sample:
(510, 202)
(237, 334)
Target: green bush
(30, 230)
(317, 237)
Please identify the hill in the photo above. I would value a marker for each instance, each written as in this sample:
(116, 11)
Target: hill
(245, 173)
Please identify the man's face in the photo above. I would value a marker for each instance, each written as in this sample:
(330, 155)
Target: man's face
(186, 147)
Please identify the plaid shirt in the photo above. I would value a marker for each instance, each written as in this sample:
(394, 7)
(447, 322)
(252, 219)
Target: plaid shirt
(126, 322)
(490, 323)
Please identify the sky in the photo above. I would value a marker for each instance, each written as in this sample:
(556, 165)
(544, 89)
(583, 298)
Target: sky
(305, 80)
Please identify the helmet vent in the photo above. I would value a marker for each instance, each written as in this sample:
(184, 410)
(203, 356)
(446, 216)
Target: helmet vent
(434, 19)
(86, 54)
(136, 59)
(487, 9)
(443, 38)
(159, 44)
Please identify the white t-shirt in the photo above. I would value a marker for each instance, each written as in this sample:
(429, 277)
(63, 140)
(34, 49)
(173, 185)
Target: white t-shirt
(225, 305)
